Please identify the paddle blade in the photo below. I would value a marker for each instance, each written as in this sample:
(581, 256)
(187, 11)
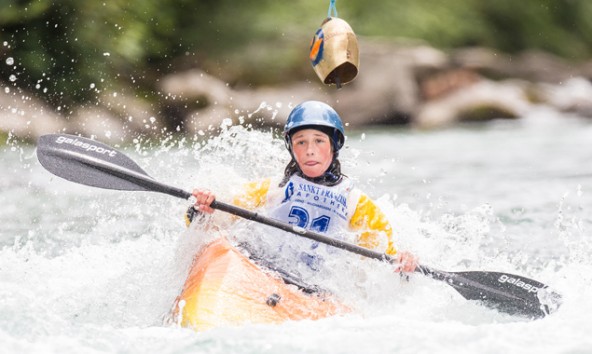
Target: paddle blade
(92, 163)
(88, 162)
(508, 293)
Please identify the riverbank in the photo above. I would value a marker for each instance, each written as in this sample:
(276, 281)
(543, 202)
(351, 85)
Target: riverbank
(398, 84)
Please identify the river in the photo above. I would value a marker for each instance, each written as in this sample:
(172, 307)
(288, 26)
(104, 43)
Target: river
(86, 270)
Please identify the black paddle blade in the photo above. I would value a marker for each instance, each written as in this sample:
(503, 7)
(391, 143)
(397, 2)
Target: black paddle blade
(88, 162)
(92, 163)
(508, 293)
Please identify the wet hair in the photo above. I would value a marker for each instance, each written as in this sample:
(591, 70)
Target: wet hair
(329, 131)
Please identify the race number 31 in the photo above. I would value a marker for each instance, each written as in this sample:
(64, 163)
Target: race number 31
(320, 224)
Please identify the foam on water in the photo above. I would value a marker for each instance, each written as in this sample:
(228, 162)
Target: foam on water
(89, 270)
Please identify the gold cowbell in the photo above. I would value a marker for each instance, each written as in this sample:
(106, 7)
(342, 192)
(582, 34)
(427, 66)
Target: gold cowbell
(334, 52)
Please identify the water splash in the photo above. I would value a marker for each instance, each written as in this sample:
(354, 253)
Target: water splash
(90, 269)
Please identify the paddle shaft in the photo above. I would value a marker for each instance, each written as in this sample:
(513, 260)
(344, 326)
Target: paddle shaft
(142, 180)
(249, 215)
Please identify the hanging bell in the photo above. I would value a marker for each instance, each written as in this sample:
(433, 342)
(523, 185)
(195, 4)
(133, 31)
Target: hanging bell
(334, 52)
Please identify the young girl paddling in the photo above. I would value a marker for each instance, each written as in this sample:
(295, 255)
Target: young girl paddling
(313, 193)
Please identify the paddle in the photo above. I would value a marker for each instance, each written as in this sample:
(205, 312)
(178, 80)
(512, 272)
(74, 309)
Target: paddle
(92, 163)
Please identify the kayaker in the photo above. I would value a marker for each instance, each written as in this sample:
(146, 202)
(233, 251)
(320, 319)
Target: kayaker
(313, 193)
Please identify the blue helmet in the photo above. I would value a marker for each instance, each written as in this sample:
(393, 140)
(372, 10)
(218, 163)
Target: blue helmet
(315, 114)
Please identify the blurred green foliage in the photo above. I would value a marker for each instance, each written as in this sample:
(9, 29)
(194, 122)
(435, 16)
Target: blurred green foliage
(70, 51)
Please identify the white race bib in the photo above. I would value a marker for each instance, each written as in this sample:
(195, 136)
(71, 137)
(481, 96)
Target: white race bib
(312, 206)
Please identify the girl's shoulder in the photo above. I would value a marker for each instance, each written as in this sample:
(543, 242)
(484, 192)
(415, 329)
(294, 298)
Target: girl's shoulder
(254, 193)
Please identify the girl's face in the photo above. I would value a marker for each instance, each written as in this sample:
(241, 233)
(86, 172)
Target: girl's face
(312, 151)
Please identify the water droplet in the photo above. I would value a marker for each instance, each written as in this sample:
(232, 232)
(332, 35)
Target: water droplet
(106, 54)
(92, 86)
(9, 60)
(226, 122)
(12, 78)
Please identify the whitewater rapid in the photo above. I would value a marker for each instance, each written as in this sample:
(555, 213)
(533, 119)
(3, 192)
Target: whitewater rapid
(90, 270)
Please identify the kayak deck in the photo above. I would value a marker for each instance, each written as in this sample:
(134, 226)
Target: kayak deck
(224, 288)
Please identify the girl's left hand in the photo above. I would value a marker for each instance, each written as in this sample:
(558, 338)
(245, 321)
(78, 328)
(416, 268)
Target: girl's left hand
(407, 262)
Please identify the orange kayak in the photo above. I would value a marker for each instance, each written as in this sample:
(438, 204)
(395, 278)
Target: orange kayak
(225, 288)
